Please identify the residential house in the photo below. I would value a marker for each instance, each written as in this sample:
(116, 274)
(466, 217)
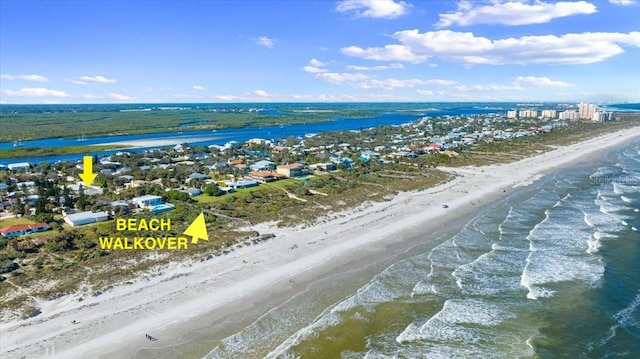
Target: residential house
(236, 162)
(345, 161)
(292, 170)
(264, 176)
(403, 154)
(19, 166)
(153, 203)
(241, 184)
(195, 176)
(22, 229)
(368, 155)
(219, 165)
(323, 166)
(147, 201)
(262, 166)
(257, 141)
(193, 192)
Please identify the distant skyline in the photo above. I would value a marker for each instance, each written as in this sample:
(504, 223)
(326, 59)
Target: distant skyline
(307, 51)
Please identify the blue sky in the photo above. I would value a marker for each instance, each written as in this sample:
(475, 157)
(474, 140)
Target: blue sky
(307, 51)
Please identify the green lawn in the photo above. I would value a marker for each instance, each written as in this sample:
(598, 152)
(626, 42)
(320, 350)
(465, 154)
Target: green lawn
(12, 221)
(205, 198)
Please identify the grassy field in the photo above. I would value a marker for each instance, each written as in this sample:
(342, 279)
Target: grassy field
(22, 152)
(73, 122)
(12, 221)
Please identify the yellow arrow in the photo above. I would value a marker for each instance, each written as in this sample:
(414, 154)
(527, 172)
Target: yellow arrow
(87, 175)
(197, 229)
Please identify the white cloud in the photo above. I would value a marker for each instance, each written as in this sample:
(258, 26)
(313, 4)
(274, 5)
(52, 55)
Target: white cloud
(226, 97)
(36, 92)
(441, 82)
(92, 97)
(388, 84)
(36, 78)
(262, 93)
(315, 67)
(313, 70)
(198, 88)
(265, 41)
(374, 8)
(425, 92)
(540, 82)
(337, 78)
(375, 68)
(387, 53)
(466, 48)
(84, 80)
(488, 88)
(513, 12)
(120, 97)
(316, 63)
(623, 2)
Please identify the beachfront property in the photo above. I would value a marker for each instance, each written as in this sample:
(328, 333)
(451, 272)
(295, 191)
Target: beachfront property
(264, 176)
(328, 166)
(22, 229)
(152, 203)
(292, 170)
(193, 192)
(147, 201)
(88, 217)
(241, 184)
(369, 155)
(345, 161)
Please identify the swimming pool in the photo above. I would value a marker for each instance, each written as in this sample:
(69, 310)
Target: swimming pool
(162, 207)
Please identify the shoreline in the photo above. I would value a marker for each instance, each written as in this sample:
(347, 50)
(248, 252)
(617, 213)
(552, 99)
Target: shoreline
(171, 304)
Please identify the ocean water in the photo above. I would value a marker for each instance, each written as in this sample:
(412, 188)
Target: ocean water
(552, 271)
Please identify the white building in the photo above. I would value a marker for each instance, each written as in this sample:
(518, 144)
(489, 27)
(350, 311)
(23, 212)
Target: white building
(512, 114)
(20, 166)
(586, 111)
(147, 201)
(78, 219)
(570, 115)
(602, 116)
(549, 113)
(153, 203)
(528, 114)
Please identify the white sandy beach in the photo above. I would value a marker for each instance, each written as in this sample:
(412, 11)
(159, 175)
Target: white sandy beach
(159, 142)
(165, 304)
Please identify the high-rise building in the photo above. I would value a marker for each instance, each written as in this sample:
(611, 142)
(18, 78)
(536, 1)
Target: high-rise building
(549, 113)
(586, 110)
(602, 116)
(528, 114)
(570, 115)
(512, 114)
